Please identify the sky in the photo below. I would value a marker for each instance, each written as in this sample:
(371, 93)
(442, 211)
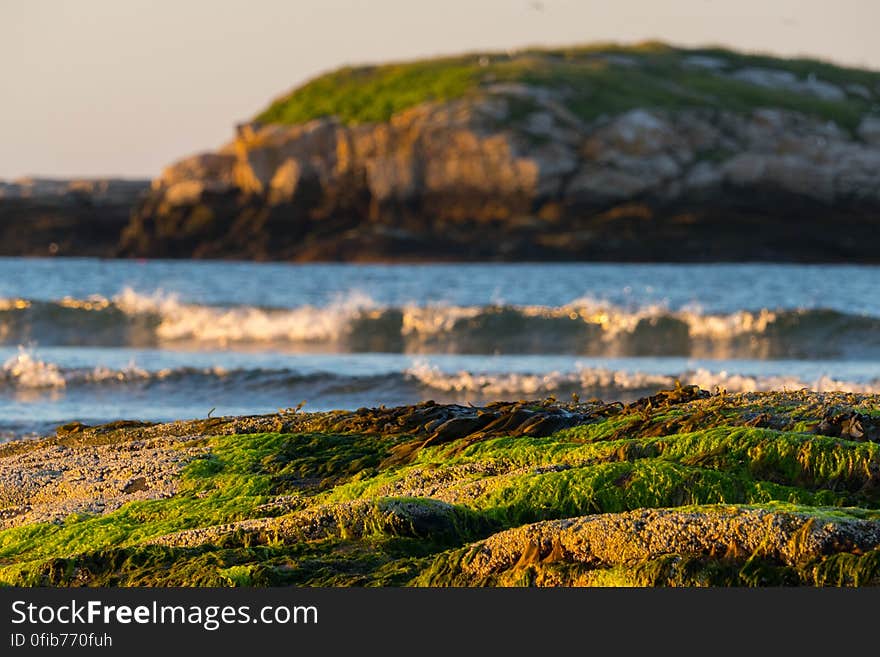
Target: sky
(125, 87)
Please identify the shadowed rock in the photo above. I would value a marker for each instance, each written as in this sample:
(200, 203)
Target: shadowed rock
(640, 536)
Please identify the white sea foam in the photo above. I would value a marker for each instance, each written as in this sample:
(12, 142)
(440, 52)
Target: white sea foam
(613, 321)
(616, 321)
(24, 370)
(183, 321)
(102, 374)
(435, 320)
(721, 327)
(510, 383)
(743, 383)
(605, 379)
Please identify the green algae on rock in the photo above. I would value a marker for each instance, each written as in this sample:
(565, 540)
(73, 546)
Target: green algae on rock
(681, 488)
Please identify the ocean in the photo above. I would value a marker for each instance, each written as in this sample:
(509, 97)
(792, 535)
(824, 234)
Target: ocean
(94, 340)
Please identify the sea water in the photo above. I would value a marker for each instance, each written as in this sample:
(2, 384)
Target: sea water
(94, 340)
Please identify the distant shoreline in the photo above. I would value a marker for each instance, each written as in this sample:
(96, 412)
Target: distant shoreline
(76, 226)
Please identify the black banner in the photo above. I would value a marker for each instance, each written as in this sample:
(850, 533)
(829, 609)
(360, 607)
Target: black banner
(410, 621)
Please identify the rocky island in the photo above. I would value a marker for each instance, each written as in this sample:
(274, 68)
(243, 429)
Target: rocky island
(680, 488)
(642, 153)
(636, 153)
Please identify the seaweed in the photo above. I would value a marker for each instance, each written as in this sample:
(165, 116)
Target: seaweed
(788, 484)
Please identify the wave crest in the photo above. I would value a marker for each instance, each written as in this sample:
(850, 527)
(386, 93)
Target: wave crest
(25, 371)
(601, 380)
(422, 379)
(356, 323)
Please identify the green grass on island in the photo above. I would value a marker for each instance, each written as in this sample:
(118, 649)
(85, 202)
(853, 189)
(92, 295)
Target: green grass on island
(684, 488)
(591, 81)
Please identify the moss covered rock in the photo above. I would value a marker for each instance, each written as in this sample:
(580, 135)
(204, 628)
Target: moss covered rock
(680, 488)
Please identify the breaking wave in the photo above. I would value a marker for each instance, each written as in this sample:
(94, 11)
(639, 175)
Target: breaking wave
(599, 380)
(421, 380)
(356, 323)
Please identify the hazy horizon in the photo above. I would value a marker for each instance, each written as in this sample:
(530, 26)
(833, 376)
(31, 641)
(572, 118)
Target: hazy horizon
(101, 88)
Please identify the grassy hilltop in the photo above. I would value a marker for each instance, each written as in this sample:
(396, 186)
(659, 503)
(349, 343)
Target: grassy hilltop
(595, 80)
(682, 488)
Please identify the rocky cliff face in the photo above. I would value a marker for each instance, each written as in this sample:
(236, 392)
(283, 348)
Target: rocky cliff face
(641, 153)
(515, 174)
(42, 216)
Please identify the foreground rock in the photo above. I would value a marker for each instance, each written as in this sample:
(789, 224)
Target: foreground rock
(680, 488)
(593, 549)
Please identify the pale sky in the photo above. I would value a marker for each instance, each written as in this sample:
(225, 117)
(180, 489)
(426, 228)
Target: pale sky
(124, 87)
